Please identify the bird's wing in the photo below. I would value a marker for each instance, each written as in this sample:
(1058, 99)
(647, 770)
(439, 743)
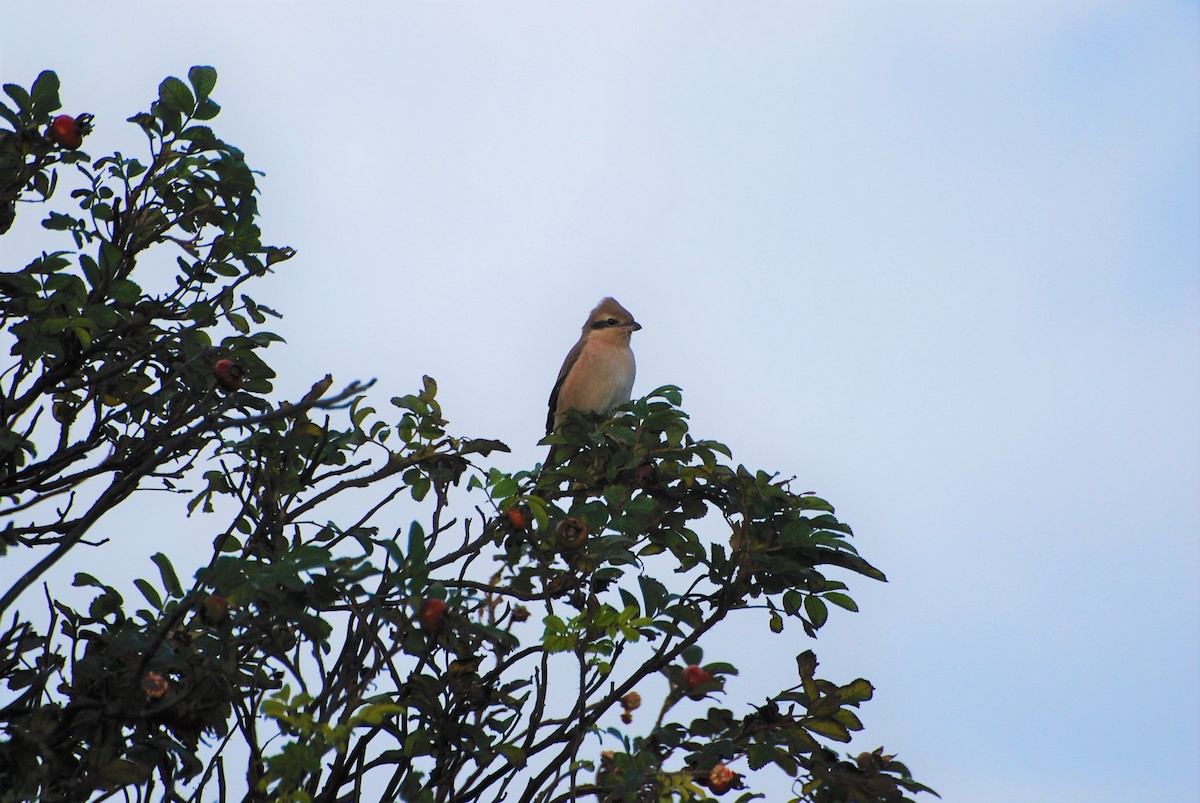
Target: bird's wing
(568, 363)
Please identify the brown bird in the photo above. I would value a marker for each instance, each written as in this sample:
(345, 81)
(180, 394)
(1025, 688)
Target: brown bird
(597, 375)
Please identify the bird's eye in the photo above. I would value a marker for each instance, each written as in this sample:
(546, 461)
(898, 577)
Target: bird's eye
(611, 321)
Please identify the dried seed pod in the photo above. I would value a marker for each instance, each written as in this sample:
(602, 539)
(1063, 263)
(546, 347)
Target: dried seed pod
(721, 779)
(154, 685)
(571, 533)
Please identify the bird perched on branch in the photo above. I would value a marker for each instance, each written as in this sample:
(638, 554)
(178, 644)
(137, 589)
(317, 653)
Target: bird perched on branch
(597, 375)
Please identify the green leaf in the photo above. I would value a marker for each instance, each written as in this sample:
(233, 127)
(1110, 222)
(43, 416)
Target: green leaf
(811, 502)
(227, 543)
(786, 763)
(688, 614)
(827, 727)
(169, 578)
(21, 98)
(856, 691)
(9, 116)
(669, 392)
(841, 600)
(653, 593)
(202, 135)
(125, 291)
(760, 755)
(203, 79)
(817, 612)
(692, 655)
(59, 222)
(105, 604)
(91, 270)
(374, 713)
(83, 579)
(207, 110)
(849, 719)
(85, 337)
(45, 93)
(150, 593)
(419, 487)
(514, 754)
(358, 416)
(806, 664)
(792, 600)
(174, 95)
(416, 554)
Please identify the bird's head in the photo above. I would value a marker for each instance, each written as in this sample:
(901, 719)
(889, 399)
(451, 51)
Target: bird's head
(610, 317)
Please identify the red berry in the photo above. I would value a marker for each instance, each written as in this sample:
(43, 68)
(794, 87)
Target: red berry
(229, 374)
(431, 614)
(694, 677)
(516, 518)
(66, 132)
(214, 608)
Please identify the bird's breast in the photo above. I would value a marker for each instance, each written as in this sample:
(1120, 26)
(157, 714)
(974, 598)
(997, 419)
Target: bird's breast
(600, 380)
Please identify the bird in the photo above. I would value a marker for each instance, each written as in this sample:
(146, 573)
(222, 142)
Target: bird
(597, 375)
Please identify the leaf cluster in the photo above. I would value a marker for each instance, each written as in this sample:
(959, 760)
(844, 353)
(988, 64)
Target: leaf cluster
(462, 633)
(28, 157)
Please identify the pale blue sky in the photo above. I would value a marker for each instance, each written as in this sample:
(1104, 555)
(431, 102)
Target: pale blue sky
(939, 261)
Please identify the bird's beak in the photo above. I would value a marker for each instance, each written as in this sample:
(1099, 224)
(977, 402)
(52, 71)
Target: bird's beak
(634, 326)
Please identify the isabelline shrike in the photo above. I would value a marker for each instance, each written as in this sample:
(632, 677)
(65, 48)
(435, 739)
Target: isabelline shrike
(597, 375)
